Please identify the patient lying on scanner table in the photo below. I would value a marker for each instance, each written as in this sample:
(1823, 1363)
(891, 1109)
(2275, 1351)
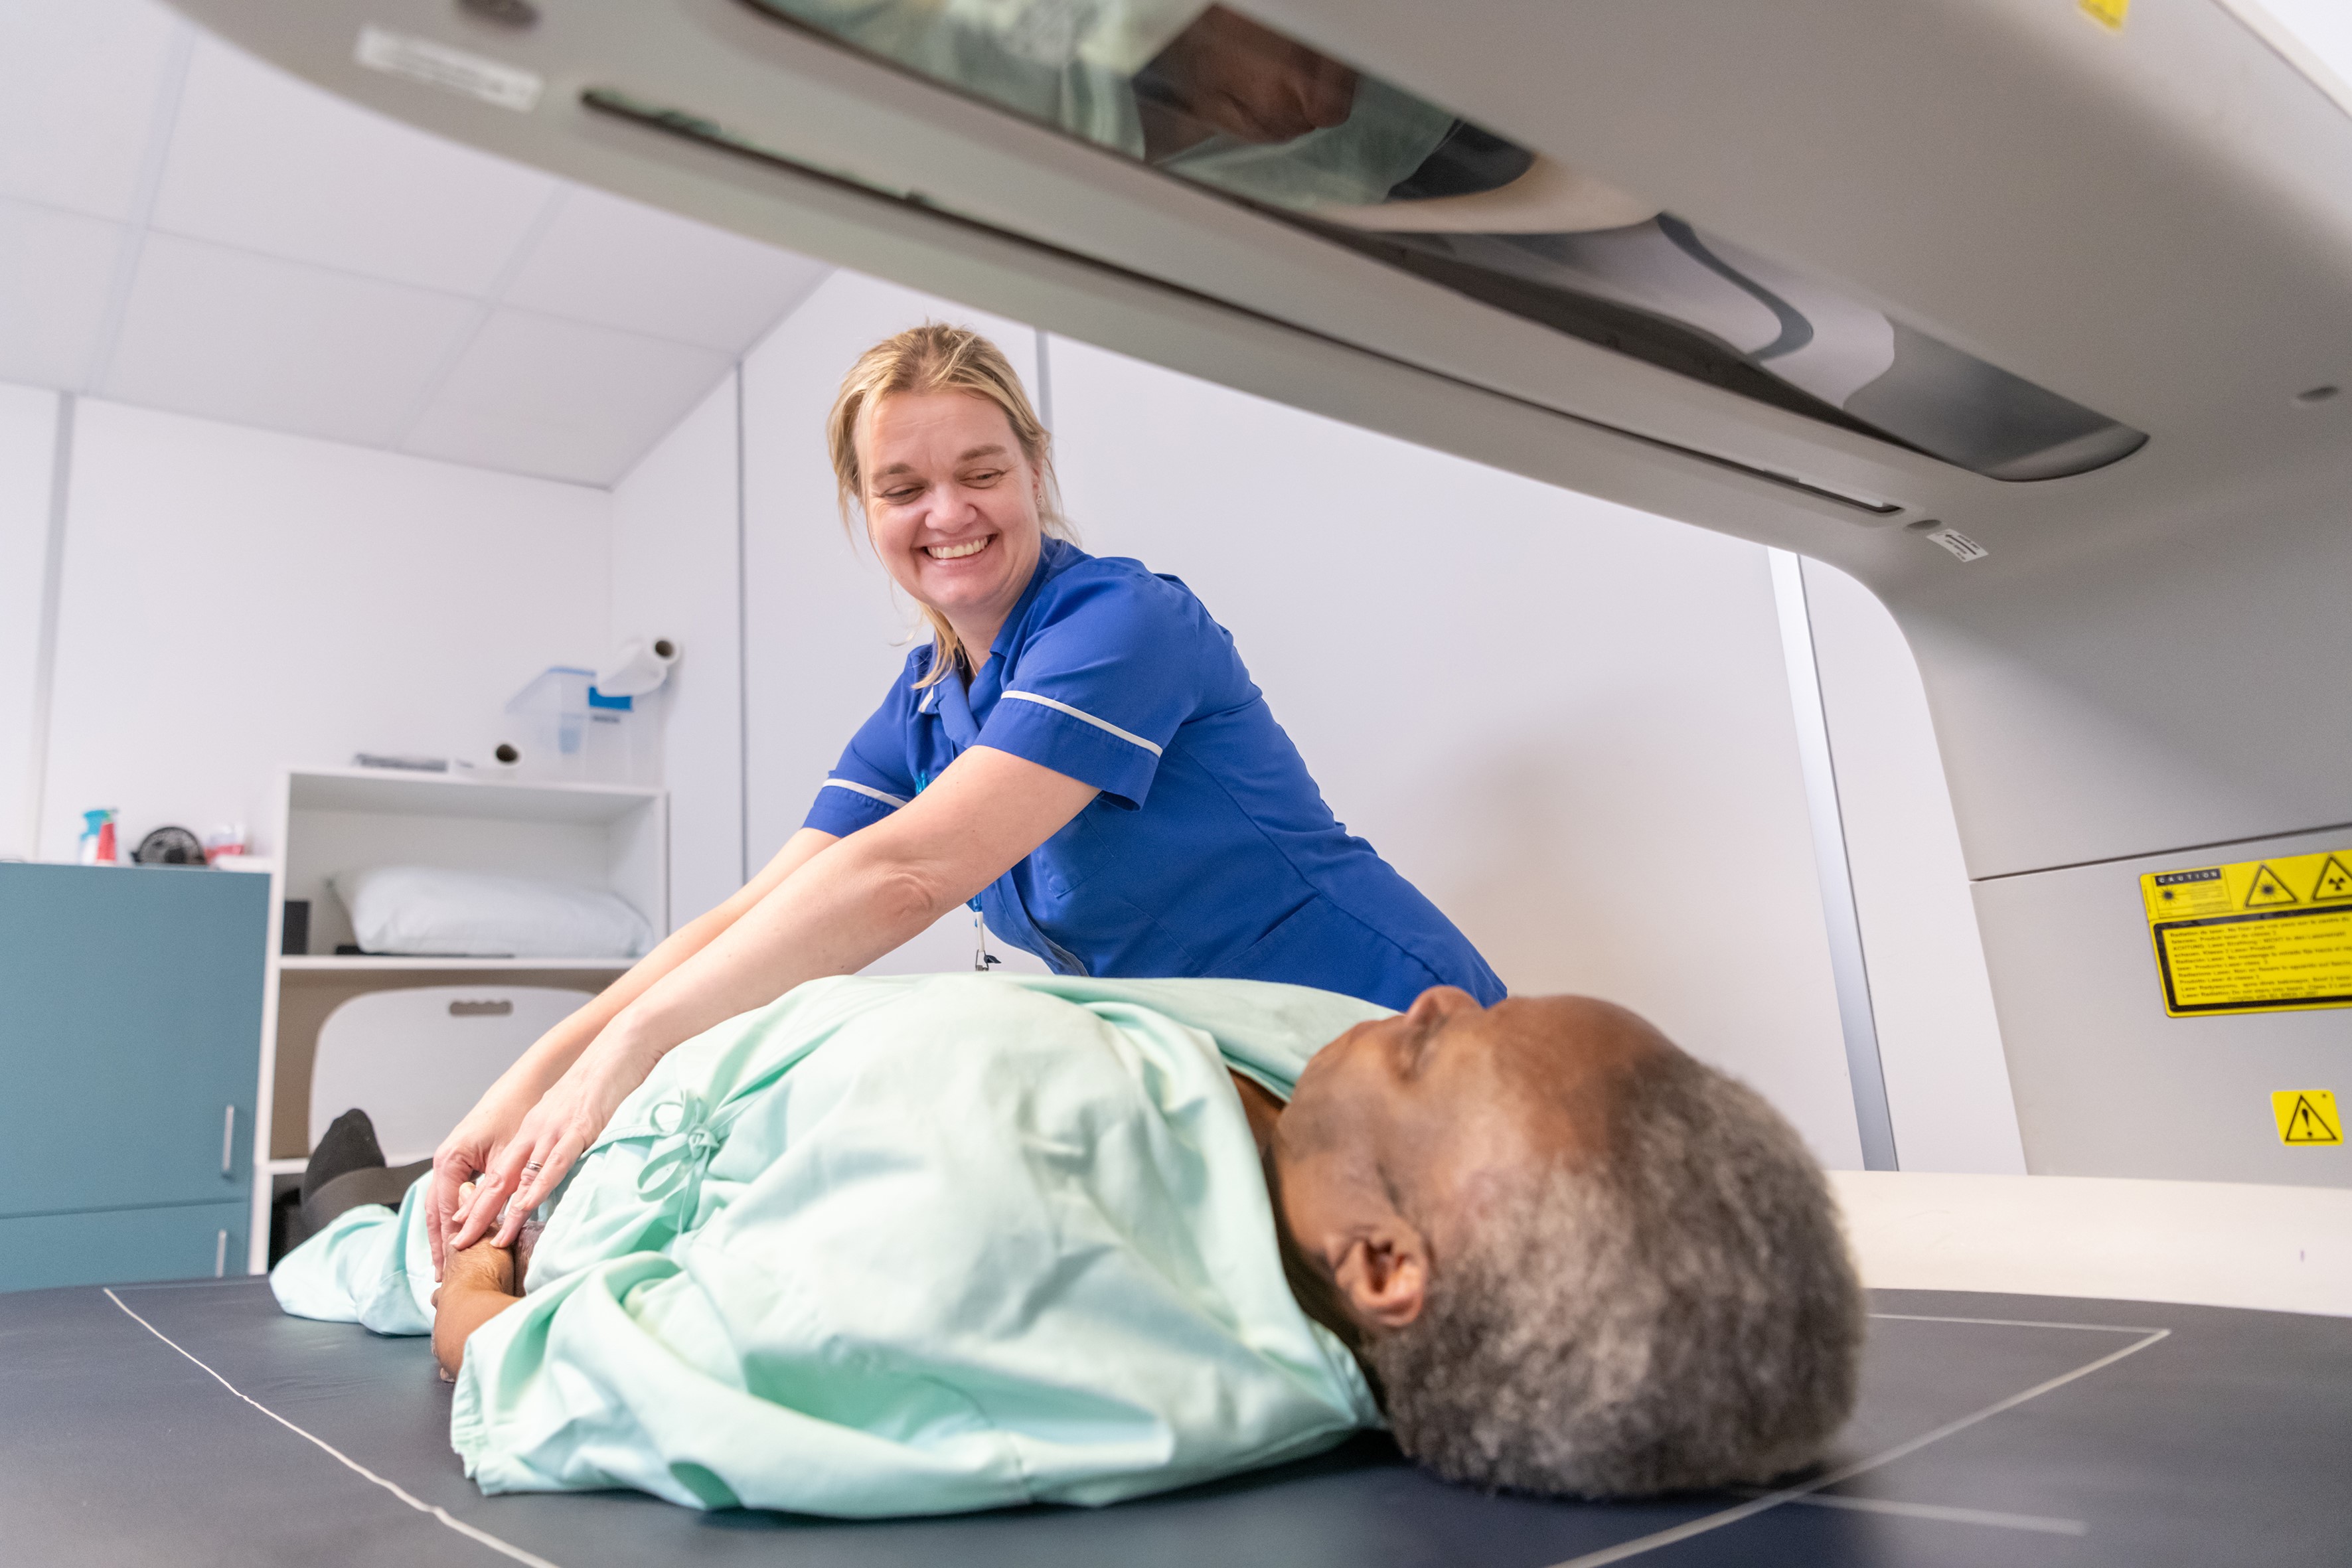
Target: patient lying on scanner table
(923, 1245)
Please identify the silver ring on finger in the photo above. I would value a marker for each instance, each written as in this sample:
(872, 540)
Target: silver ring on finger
(533, 1167)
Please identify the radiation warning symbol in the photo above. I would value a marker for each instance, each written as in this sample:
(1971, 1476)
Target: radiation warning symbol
(2268, 890)
(2306, 1116)
(2273, 935)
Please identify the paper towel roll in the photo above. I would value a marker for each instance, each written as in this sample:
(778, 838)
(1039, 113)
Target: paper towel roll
(640, 667)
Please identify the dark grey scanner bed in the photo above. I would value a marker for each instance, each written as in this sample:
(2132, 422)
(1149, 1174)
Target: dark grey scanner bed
(1993, 1429)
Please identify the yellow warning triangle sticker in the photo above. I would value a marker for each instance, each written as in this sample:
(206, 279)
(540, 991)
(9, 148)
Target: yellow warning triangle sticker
(2306, 1116)
(2269, 890)
(2334, 881)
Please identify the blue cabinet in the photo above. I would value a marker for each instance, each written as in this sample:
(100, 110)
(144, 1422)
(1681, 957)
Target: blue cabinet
(130, 1048)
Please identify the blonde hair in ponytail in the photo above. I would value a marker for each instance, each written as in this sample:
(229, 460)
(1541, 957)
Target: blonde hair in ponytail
(934, 357)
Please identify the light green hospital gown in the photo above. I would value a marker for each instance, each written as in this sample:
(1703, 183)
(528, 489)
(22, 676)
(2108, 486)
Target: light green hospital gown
(900, 1246)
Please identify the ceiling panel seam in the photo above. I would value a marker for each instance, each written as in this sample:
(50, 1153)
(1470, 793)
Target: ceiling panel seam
(483, 309)
(494, 297)
(37, 204)
(132, 244)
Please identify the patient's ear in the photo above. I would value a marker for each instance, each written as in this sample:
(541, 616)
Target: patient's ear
(1384, 1274)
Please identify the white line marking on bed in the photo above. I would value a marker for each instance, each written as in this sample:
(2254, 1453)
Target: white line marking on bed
(2020, 1323)
(420, 1505)
(1713, 1522)
(1944, 1513)
(232, 1282)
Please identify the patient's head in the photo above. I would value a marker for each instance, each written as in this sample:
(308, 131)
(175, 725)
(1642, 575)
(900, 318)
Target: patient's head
(1575, 1259)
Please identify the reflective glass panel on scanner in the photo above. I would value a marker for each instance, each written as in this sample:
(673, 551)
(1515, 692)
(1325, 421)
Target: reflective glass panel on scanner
(1211, 96)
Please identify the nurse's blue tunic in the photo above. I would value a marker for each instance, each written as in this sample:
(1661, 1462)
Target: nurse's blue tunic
(1209, 851)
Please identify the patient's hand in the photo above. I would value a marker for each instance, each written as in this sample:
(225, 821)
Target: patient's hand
(480, 1268)
(478, 1283)
(1227, 73)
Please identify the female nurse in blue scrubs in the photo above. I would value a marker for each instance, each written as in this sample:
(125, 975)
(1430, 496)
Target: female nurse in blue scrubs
(1080, 750)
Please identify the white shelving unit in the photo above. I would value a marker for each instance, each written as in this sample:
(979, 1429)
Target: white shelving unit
(341, 819)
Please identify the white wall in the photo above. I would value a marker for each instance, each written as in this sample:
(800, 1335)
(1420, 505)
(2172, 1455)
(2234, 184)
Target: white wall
(237, 601)
(28, 430)
(673, 575)
(1939, 1043)
(826, 633)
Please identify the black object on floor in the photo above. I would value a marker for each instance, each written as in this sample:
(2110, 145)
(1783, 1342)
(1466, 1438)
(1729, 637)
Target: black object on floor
(369, 1184)
(287, 1230)
(1994, 1429)
(295, 1219)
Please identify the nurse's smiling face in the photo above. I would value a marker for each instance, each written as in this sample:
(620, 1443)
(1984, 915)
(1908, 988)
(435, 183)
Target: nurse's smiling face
(952, 505)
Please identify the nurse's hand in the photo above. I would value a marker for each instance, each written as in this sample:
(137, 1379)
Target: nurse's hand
(525, 1170)
(464, 1154)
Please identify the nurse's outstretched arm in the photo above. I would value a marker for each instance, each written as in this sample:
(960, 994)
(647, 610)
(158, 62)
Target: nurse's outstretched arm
(846, 906)
(473, 1146)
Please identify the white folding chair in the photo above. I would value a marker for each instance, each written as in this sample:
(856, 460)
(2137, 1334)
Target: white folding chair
(416, 1060)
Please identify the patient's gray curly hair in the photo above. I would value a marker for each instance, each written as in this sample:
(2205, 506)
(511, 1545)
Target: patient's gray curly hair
(1679, 1313)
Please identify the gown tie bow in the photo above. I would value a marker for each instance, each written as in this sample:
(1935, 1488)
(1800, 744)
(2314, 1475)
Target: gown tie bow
(681, 1153)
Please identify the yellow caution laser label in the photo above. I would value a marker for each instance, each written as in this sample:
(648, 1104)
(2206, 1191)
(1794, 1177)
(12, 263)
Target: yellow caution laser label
(2306, 1116)
(2259, 936)
(2107, 13)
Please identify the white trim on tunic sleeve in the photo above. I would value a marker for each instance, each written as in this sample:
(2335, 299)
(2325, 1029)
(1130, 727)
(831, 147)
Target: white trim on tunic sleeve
(1128, 736)
(891, 801)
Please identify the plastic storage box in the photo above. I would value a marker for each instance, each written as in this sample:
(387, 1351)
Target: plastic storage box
(547, 720)
(561, 727)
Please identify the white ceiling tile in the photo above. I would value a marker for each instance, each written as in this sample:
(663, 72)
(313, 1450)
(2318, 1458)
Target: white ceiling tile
(56, 273)
(612, 261)
(256, 340)
(561, 399)
(80, 84)
(267, 163)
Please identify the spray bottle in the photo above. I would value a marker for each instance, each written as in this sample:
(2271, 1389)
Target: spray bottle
(97, 836)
